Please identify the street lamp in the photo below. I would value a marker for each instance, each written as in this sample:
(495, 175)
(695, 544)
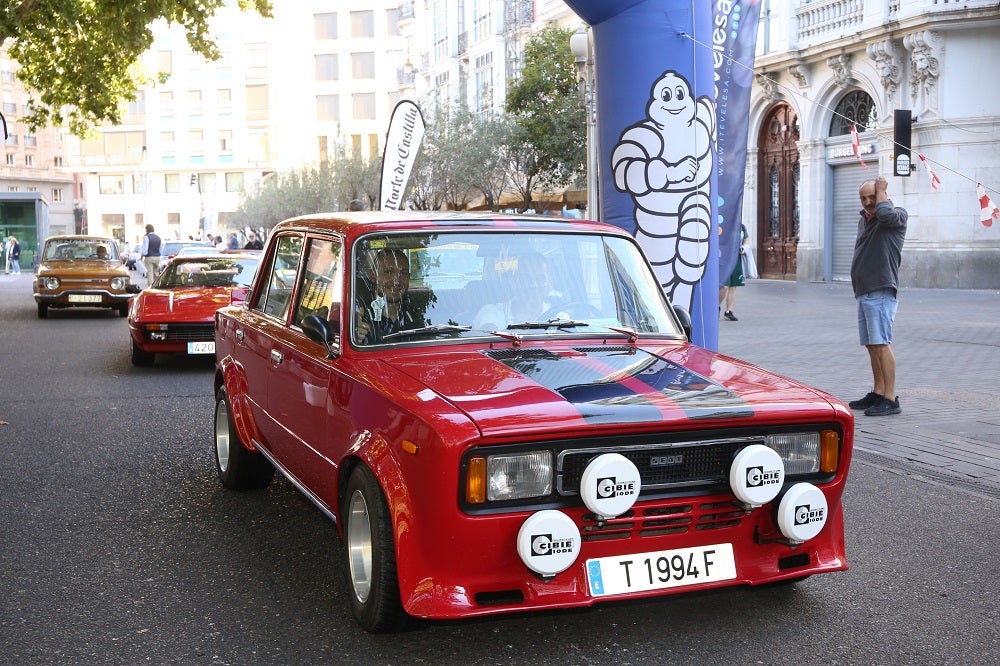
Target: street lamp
(580, 45)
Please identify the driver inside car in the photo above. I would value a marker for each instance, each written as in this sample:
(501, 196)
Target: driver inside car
(529, 296)
(388, 309)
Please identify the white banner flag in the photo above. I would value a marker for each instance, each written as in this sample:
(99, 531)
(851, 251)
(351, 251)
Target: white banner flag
(406, 131)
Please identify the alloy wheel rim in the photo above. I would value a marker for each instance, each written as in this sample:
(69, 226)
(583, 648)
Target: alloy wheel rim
(359, 546)
(222, 435)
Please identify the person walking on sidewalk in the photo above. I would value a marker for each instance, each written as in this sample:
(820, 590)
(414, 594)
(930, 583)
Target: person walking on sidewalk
(875, 278)
(8, 246)
(151, 254)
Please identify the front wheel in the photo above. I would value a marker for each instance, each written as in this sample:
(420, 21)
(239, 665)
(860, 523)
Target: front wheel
(140, 358)
(371, 556)
(238, 468)
(43, 310)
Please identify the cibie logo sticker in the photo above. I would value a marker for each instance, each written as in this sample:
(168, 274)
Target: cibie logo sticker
(804, 514)
(548, 542)
(758, 476)
(610, 485)
(544, 544)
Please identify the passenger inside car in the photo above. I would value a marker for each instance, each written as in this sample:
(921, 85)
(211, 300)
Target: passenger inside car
(383, 302)
(527, 297)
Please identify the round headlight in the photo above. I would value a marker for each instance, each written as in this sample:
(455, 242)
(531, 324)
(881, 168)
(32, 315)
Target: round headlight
(118, 283)
(51, 283)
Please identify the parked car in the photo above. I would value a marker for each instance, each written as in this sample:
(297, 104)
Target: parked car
(175, 315)
(81, 271)
(171, 248)
(534, 431)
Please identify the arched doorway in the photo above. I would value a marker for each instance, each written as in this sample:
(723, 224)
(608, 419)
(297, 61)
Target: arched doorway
(778, 199)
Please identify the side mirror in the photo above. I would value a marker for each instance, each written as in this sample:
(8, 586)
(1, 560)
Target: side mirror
(684, 317)
(322, 331)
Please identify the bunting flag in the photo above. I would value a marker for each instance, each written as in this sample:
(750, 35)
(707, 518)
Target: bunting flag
(856, 144)
(935, 181)
(406, 131)
(988, 210)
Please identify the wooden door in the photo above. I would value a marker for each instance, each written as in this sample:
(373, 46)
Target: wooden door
(778, 199)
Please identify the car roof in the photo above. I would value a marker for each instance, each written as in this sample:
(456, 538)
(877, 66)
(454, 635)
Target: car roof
(354, 224)
(79, 237)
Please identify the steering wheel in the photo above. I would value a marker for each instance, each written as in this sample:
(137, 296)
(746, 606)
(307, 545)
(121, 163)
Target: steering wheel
(580, 308)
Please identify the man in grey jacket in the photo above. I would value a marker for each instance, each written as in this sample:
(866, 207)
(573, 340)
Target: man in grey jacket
(875, 277)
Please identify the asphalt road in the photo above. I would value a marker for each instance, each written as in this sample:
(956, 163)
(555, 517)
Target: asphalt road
(119, 546)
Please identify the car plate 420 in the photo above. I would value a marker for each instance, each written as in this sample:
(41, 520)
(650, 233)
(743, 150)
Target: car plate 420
(621, 574)
(201, 347)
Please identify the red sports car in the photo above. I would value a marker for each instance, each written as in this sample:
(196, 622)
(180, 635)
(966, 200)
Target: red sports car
(504, 414)
(175, 315)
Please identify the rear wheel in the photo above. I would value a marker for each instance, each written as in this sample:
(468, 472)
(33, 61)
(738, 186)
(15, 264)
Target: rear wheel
(238, 467)
(371, 555)
(43, 310)
(141, 358)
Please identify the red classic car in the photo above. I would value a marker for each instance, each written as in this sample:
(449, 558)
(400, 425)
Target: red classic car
(504, 413)
(175, 315)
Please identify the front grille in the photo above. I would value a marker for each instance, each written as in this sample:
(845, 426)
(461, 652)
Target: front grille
(653, 521)
(191, 332)
(661, 465)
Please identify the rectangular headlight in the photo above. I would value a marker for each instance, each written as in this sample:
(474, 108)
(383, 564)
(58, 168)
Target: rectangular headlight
(517, 476)
(800, 451)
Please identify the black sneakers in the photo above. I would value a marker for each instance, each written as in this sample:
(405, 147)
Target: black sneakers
(730, 316)
(868, 401)
(884, 407)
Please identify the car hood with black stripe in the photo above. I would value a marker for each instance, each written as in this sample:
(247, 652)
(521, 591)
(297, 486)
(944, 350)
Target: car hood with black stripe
(505, 390)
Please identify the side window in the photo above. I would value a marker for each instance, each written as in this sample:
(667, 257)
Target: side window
(275, 295)
(322, 281)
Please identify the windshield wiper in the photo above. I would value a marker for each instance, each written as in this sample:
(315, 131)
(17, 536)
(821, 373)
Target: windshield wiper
(433, 329)
(572, 323)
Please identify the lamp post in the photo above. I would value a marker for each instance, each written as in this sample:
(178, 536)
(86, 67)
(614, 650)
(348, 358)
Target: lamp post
(586, 78)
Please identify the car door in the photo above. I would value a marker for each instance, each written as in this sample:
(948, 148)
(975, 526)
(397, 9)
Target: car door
(300, 397)
(261, 325)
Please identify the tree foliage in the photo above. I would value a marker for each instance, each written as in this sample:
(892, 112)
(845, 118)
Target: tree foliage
(548, 149)
(79, 58)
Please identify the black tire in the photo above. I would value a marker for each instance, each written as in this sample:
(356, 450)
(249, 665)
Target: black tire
(370, 556)
(141, 359)
(123, 310)
(238, 468)
(43, 310)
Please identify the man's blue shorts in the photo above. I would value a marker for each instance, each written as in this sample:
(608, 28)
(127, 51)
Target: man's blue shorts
(876, 310)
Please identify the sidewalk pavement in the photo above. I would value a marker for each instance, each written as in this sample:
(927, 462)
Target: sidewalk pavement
(947, 347)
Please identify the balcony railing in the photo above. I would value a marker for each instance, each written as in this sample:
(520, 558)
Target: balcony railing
(829, 17)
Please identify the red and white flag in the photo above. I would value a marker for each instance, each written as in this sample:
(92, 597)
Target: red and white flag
(856, 144)
(988, 210)
(935, 181)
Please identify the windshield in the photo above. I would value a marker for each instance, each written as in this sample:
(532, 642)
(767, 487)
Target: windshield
(424, 286)
(207, 272)
(77, 249)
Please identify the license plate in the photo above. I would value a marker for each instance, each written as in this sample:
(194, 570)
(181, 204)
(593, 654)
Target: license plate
(84, 298)
(662, 569)
(201, 347)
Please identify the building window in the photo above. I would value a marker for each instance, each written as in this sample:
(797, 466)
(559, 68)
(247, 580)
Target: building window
(57, 161)
(171, 183)
(165, 62)
(327, 67)
(854, 108)
(363, 105)
(326, 25)
(11, 140)
(363, 24)
(11, 159)
(373, 145)
(137, 106)
(256, 102)
(167, 143)
(111, 184)
(392, 21)
(10, 108)
(328, 108)
(140, 183)
(57, 194)
(29, 160)
(225, 141)
(257, 61)
(224, 98)
(194, 101)
(363, 65)
(196, 141)
(206, 182)
(234, 181)
(166, 103)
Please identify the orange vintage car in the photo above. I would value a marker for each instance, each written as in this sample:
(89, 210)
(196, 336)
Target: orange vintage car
(82, 271)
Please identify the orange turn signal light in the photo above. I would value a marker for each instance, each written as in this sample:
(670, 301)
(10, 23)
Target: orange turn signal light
(829, 451)
(475, 480)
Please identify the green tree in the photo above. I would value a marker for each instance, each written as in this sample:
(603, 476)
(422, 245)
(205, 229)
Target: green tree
(548, 147)
(79, 58)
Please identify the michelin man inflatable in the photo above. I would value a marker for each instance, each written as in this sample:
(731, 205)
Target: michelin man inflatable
(664, 162)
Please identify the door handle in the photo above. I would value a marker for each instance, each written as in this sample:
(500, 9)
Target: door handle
(277, 356)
